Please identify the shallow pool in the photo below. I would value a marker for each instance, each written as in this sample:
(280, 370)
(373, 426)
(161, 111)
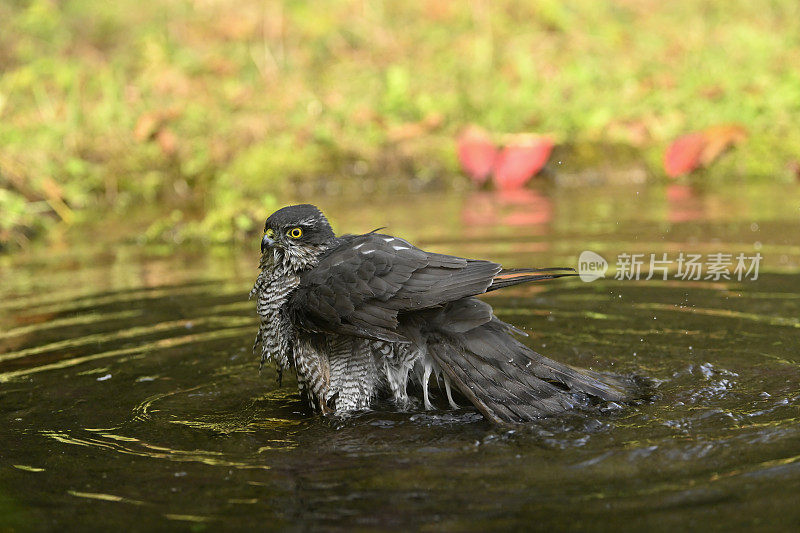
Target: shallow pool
(129, 397)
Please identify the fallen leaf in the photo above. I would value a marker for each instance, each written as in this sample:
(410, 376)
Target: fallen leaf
(683, 155)
(701, 148)
(521, 159)
(235, 27)
(146, 126)
(54, 196)
(167, 141)
(794, 168)
(150, 123)
(476, 153)
(719, 139)
(414, 130)
(712, 92)
(635, 132)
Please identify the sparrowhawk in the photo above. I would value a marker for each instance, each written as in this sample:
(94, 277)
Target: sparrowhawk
(359, 316)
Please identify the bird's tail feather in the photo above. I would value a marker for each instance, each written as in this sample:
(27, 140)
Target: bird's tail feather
(510, 383)
(515, 276)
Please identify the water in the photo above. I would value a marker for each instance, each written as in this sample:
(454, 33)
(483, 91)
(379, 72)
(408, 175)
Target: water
(129, 397)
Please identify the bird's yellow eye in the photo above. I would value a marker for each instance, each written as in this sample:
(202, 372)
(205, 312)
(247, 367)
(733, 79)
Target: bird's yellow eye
(295, 233)
(269, 233)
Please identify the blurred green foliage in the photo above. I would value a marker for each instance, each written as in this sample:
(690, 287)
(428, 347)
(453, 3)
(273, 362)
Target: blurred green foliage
(215, 109)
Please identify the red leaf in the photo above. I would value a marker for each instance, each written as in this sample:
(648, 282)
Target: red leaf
(521, 159)
(719, 139)
(476, 153)
(701, 148)
(683, 155)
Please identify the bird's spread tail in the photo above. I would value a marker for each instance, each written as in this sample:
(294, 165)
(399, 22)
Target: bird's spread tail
(514, 276)
(510, 383)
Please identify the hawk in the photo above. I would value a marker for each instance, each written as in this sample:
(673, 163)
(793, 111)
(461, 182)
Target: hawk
(359, 316)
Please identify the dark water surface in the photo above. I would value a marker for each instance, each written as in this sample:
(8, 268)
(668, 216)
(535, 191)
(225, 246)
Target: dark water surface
(129, 397)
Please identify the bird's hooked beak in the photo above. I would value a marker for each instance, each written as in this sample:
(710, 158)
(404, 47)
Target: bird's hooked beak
(266, 243)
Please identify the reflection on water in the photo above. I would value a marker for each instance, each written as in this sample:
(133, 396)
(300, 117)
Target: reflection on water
(128, 390)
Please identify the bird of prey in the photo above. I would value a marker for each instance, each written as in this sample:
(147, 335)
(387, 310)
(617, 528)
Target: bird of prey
(359, 316)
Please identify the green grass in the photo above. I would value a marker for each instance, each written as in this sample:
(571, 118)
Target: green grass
(248, 100)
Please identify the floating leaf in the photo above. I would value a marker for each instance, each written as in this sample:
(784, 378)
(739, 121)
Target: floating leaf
(521, 159)
(476, 153)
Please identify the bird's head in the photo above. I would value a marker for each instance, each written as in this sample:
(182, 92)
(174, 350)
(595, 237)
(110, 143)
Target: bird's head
(295, 236)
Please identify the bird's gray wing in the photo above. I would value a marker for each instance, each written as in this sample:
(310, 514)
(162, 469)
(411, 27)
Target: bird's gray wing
(507, 381)
(360, 287)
